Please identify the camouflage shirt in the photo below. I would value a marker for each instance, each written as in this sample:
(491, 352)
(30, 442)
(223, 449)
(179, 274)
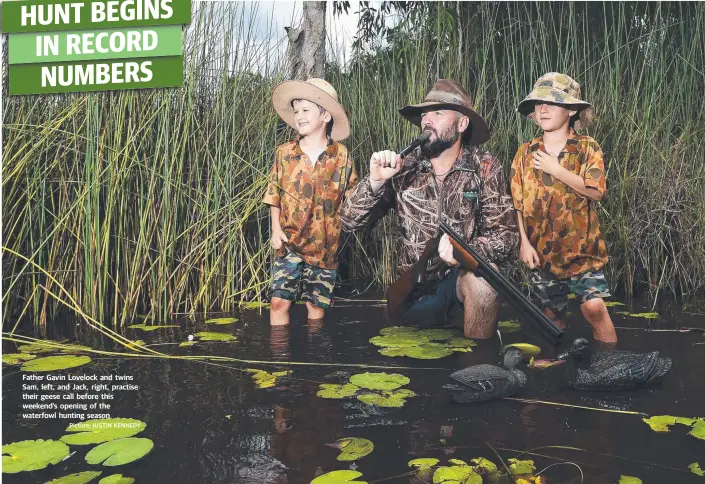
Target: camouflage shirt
(309, 197)
(473, 199)
(561, 224)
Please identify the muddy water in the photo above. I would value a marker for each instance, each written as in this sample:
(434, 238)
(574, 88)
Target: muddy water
(210, 424)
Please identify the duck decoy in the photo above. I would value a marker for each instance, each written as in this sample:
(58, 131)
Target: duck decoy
(614, 369)
(486, 382)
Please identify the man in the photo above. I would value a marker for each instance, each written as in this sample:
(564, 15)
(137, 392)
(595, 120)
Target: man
(448, 177)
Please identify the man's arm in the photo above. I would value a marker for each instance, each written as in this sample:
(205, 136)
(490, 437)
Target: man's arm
(499, 235)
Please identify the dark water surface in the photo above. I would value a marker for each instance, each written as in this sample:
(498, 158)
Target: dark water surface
(278, 435)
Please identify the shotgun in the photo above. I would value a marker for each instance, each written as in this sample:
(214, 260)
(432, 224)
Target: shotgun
(472, 261)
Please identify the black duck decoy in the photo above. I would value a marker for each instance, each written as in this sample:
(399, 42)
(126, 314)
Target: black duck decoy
(614, 369)
(478, 383)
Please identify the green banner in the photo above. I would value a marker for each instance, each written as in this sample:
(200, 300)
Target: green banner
(50, 15)
(95, 44)
(96, 75)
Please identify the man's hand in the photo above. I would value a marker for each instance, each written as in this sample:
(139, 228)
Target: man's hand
(528, 255)
(445, 251)
(278, 238)
(384, 165)
(545, 162)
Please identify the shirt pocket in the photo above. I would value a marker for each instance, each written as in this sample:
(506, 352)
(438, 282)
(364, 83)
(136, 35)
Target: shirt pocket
(333, 191)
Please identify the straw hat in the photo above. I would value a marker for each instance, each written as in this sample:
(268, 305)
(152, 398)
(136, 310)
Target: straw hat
(448, 94)
(317, 91)
(557, 88)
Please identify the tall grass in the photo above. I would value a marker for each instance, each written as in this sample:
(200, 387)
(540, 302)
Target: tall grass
(150, 201)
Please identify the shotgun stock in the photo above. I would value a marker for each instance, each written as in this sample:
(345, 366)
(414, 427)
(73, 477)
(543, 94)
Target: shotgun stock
(399, 292)
(472, 261)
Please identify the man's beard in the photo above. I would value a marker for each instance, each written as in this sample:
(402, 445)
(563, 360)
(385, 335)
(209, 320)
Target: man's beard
(443, 141)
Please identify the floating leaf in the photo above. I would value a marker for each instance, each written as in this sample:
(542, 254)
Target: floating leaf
(424, 462)
(399, 340)
(508, 327)
(644, 315)
(397, 330)
(457, 462)
(102, 430)
(480, 463)
(456, 475)
(228, 416)
(51, 363)
(75, 349)
(187, 343)
(518, 467)
(527, 350)
(379, 381)
(625, 313)
(698, 430)
(330, 390)
(460, 343)
(353, 448)
(437, 334)
(629, 480)
(531, 480)
(120, 451)
(338, 477)
(660, 423)
(212, 336)
(40, 347)
(17, 358)
(78, 478)
(116, 479)
(254, 304)
(264, 379)
(221, 321)
(145, 327)
(32, 455)
(428, 351)
(392, 351)
(387, 399)
(610, 304)
(695, 469)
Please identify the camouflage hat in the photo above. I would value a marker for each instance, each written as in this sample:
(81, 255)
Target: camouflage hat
(557, 88)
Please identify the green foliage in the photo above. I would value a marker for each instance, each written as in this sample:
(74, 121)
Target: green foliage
(52, 363)
(116, 479)
(120, 451)
(338, 477)
(78, 478)
(32, 455)
(379, 381)
(17, 358)
(212, 336)
(102, 430)
(353, 448)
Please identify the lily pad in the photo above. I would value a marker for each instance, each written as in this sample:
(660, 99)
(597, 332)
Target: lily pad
(519, 467)
(660, 423)
(330, 390)
(264, 379)
(459, 343)
(120, 451)
(392, 351)
(338, 477)
(187, 343)
(629, 480)
(379, 381)
(221, 321)
(527, 350)
(508, 327)
(17, 358)
(390, 330)
(480, 463)
(644, 315)
(116, 479)
(32, 455)
(69, 349)
(353, 448)
(39, 347)
(399, 340)
(428, 351)
(424, 462)
(212, 336)
(51, 363)
(102, 430)
(388, 399)
(456, 475)
(610, 304)
(439, 334)
(695, 469)
(145, 327)
(457, 462)
(698, 430)
(78, 478)
(254, 304)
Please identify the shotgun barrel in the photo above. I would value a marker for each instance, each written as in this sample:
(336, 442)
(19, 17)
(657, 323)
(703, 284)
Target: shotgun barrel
(471, 260)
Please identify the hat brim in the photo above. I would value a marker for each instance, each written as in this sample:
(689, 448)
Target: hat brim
(284, 93)
(554, 96)
(478, 133)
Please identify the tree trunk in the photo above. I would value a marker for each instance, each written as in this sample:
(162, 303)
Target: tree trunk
(307, 43)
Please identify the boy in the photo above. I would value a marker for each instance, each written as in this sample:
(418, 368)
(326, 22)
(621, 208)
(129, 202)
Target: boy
(309, 179)
(556, 180)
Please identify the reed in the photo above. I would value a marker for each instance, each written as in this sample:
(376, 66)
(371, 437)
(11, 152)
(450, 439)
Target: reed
(150, 201)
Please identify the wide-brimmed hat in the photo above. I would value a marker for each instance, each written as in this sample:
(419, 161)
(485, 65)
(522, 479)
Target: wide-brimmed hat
(317, 91)
(448, 94)
(557, 88)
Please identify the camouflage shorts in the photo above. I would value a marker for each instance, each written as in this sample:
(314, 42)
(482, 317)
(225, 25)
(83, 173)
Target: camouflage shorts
(553, 294)
(291, 274)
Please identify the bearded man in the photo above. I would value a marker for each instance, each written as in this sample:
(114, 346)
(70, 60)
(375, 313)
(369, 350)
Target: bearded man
(447, 178)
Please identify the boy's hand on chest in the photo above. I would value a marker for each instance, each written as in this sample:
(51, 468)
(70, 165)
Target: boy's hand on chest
(546, 162)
